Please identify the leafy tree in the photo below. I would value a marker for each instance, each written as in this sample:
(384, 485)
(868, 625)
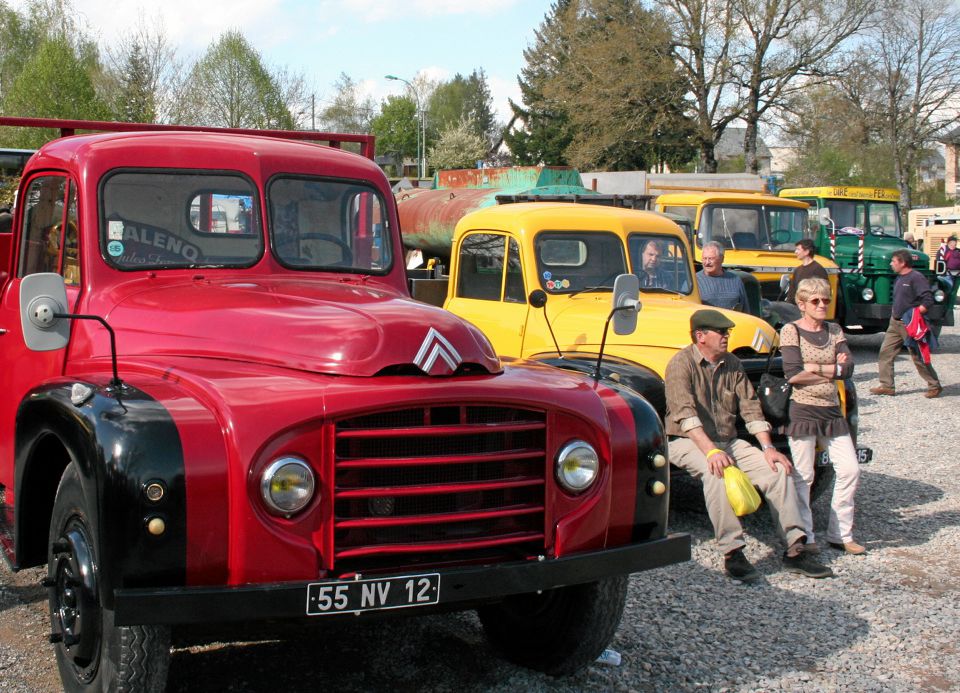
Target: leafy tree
(459, 147)
(460, 100)
(544, 131)
(54, 83)
(396, 128)
(350, 110)
(231, 87)
(620, 88)
(142, 75)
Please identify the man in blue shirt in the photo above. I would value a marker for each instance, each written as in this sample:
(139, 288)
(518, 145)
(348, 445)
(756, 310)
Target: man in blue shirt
(718, 287)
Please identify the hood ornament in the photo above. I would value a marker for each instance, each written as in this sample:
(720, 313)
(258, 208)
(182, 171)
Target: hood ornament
(435, 351)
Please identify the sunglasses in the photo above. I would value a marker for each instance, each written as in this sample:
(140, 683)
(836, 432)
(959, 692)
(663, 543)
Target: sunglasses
(819, 301)
(723, 332)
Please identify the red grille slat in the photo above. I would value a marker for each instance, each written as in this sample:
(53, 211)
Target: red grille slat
(400, 549)
(442, 483)
(437, 431)
(452, 459)
(444, 488)
(436, 519)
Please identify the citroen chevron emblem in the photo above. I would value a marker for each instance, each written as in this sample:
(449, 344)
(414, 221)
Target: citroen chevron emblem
(760, 342)
(436, 347)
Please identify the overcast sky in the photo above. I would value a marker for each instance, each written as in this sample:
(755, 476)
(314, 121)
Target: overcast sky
(367, 39)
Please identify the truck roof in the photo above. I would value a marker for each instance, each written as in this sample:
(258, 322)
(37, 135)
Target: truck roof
(97, 153)
(708, 197)
(530, 217)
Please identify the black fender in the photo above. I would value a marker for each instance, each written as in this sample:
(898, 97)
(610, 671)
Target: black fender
(650, 511)
(638, 378)
(120, 441)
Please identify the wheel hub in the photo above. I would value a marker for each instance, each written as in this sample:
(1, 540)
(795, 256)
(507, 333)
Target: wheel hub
(74, 605)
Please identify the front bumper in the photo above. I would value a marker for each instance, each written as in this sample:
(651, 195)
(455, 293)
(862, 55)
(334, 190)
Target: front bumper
(459, 587)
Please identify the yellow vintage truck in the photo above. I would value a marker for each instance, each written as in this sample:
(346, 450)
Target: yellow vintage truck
(758, 232)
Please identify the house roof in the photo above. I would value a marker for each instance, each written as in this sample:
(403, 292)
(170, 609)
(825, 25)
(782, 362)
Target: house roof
(731, 144)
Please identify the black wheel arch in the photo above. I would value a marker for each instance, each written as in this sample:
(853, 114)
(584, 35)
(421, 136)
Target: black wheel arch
(118, 444)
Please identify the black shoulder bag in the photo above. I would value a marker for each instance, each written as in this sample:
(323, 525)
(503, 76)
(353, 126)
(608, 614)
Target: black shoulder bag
(774, 393)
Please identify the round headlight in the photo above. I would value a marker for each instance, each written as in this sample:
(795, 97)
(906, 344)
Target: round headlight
(938, 295)
(577, 466)
(287, 485)
(867, 294)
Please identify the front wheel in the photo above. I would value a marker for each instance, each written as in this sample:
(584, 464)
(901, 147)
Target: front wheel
(558, 631)
(93, 654)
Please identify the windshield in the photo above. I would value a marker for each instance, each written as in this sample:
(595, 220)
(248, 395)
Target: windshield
(660, 262)
(752, 227)
(569, 261)
(323, 224)
(155, 220)
(879, 218)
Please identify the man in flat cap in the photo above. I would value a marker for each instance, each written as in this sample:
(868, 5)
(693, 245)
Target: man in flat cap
(706, 389)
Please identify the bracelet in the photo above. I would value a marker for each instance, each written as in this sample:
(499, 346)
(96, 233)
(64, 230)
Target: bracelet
(713, 451)
(766, 447)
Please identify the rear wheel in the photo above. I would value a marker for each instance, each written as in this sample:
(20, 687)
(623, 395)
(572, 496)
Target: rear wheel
(558, 631)
(92, 653)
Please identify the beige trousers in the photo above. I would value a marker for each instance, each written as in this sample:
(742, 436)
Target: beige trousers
(843, 455)
(776, 486)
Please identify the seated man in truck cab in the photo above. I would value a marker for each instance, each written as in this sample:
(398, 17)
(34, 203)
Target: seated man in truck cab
(651, 276)
(706, 390)
(718, 287)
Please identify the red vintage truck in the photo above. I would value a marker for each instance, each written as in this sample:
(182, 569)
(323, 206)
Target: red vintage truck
(227, 424)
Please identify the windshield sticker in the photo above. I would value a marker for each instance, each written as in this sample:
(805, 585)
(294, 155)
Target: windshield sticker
(548, 275)
(550, 285)
(565, 284)
(115, 248)
(114, 230)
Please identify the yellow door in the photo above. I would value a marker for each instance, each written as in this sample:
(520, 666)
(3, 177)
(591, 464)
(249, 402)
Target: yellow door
(488, 289)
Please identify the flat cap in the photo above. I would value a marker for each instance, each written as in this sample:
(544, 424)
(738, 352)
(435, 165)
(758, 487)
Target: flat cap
(708, 318)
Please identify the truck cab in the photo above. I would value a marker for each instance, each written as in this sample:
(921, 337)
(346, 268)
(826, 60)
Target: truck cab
(233, 420)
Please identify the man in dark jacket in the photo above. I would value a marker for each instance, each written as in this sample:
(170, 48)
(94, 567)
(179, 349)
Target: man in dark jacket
(911, 290)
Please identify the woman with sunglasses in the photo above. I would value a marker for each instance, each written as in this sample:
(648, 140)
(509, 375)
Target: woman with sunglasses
(815, 356)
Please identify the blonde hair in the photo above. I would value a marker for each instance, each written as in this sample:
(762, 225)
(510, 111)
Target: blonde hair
(814, 286)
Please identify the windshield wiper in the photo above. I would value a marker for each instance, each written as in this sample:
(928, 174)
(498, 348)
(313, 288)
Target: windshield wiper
(603, 285)
(660, 290)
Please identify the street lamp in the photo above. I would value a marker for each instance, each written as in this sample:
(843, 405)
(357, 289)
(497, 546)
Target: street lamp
(421, 128)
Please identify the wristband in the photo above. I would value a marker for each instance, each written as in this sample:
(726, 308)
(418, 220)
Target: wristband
(766, 447)
(713, 451)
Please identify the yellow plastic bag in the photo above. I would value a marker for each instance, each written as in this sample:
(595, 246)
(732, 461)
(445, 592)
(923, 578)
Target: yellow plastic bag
(743, 497)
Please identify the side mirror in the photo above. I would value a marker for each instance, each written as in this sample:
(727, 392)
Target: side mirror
(823, 216)
(42, 296)
(784, 283)
(626, 303)
(537, 298)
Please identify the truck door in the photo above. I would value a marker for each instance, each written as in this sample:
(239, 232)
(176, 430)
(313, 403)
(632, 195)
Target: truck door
(489, 290)
(46, 240)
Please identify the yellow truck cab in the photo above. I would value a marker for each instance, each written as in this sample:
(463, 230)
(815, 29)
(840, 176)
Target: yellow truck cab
(759, 232)
(572, 253)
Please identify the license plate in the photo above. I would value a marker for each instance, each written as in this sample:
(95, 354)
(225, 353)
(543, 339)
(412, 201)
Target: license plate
(372, 594)
(864, 455)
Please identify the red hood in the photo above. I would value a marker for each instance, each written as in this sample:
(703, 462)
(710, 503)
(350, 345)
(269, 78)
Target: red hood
(340, 328)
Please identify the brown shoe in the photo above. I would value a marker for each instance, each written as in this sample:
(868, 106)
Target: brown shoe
(850, 547)
(882, 390)
(933, 392)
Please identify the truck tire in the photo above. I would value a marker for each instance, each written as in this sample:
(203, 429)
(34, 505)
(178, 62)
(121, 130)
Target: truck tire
(93, 655)
(558, 631)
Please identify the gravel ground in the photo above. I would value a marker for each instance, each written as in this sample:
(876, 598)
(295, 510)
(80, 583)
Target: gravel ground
(888, 621)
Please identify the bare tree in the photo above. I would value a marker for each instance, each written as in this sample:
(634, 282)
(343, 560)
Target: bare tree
(918, 63)
(141, 72)
(350, 110)
(779, 40)
(703, 34)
